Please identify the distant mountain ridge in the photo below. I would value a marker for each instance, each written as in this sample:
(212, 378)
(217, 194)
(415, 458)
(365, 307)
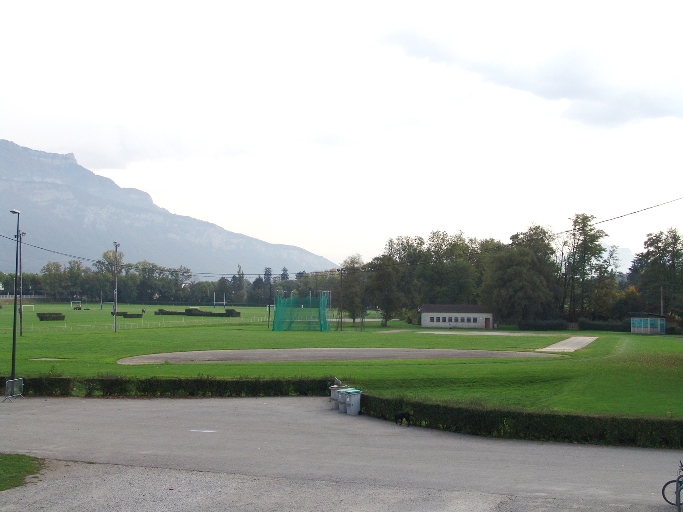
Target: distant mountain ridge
(67, 208)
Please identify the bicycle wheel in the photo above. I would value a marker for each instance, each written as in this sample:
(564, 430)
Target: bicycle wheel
(669, 492)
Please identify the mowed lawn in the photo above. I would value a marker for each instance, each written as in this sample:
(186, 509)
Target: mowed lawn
(619, 373)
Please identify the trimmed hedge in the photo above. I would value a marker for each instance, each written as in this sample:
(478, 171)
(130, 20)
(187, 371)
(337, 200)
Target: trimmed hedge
(132, 315)
(166, 312)
(540, 426)
(50, 317)
(543, 325)
(199, 312)
(173, 387)
(613, 325)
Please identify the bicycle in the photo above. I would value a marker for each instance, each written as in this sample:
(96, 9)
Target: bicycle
(669, 488)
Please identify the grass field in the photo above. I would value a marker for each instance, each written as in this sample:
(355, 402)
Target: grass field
(15, 468)
(619, 373)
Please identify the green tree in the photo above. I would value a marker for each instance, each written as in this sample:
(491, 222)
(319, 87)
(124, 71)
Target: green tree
(55, 282)
(581, 251)
(257, 294)
(354, 288)
(515, 287)
(383, 286)
(74, 275)
(659, 269)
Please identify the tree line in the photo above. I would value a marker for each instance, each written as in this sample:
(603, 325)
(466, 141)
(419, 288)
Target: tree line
(537, 275)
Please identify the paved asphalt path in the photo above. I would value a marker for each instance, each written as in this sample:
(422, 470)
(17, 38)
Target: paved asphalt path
(296, 453)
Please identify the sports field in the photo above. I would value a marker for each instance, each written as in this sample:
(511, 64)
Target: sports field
(618, 373)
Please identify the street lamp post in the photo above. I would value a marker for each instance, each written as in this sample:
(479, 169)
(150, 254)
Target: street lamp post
(116, 279)
(14, 326)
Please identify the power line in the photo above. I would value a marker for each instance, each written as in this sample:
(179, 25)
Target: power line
(50, 250)
(626, 214)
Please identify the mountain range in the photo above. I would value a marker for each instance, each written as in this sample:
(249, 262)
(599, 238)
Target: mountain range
(68, 209)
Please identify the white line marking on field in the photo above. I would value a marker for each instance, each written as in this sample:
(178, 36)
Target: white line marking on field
(203, 431)
(568, 345)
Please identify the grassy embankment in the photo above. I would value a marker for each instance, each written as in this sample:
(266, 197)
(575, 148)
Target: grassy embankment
(620, 374)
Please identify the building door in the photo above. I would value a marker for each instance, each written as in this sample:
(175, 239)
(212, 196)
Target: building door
(487, 323)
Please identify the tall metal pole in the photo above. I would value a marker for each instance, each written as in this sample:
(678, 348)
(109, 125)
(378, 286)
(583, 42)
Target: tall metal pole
(21, 288)
(116, 279)
(341, 305)
(14, 326)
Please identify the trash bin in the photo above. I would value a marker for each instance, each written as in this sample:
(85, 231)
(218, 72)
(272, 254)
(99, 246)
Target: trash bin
(341, 394)
(353, 402)
(334, 390)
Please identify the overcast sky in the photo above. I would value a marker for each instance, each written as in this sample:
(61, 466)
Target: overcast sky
(335, 126)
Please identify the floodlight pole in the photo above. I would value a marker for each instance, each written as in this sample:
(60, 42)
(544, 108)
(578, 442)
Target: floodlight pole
(116, 279)
(341, 300)
(14, 326)
(21, 287)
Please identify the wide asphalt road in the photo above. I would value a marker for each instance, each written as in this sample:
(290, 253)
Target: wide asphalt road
(295, 453)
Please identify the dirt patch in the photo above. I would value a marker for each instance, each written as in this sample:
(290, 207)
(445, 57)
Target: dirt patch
(319, 354)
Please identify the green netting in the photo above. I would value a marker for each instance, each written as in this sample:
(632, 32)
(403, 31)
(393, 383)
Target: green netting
(301, 314)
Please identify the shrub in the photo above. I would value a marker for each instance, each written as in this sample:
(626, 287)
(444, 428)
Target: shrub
(613, 325)
(542, 426)
(116, 385)
(50, 317)
(132, 315)
(170, 313)
(543, 325)
(49, 385)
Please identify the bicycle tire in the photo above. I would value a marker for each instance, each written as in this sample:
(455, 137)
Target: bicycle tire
(669, 492)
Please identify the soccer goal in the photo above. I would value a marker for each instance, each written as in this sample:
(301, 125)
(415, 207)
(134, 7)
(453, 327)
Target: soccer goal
(77, 302)
(23, 307)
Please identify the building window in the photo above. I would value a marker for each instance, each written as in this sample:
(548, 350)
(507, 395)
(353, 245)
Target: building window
(450, 319)
(474, 320)
(431, 319)
(438, 319)
(462, 318)
(469, 319)
(443, 319)
(456, 318)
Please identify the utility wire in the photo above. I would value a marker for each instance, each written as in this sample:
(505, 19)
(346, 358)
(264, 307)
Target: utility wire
(317, 272)
(13, 239)
(626, 214)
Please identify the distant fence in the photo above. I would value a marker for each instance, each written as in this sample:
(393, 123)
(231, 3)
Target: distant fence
(10, 296)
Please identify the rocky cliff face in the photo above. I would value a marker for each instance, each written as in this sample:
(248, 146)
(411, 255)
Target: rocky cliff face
(69, 209)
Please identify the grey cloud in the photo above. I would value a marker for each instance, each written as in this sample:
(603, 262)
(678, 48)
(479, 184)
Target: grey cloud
(117, 148)
(572, 76)
(330, 139)
(420, 47)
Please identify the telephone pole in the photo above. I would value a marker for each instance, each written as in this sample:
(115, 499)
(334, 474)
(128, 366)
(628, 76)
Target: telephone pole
(116, 279)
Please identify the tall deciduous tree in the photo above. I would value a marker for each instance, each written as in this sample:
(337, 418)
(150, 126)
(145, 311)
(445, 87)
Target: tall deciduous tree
(55, 283)
(354, 289)
(581, 252)
(659, 270)
(383, 286)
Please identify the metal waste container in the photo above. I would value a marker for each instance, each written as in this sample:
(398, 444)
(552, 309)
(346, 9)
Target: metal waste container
(334, 397)
(353, 402)
(341, 394)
